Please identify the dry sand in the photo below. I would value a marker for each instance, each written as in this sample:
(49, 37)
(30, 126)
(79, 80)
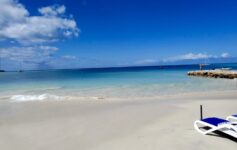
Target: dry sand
(112, 125)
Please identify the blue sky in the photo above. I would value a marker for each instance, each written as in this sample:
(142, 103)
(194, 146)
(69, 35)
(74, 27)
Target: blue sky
(104, 33)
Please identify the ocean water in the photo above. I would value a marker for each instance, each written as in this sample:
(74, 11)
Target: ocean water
(105, 83)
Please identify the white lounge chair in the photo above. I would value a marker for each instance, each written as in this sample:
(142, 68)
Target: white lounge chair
(232, 118)
(210, 125)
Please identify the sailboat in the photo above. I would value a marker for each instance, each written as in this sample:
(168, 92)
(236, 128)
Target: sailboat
(20, 67)
(1, 70)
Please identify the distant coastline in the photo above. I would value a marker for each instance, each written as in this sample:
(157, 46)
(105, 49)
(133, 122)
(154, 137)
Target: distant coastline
(144, 67)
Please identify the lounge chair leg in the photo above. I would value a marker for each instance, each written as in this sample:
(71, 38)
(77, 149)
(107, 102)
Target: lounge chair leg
(201, 115)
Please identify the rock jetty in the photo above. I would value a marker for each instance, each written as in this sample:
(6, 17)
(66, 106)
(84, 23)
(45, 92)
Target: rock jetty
(218, 73)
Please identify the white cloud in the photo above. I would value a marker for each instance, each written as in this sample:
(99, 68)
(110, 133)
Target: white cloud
(32, 54)
(17, 24)
(52, 10)
(193, 56)
(69, 57)
(225, 55)
(39, 30)
(146, 62)
(30, 35)
(11, 12)
(189, 56)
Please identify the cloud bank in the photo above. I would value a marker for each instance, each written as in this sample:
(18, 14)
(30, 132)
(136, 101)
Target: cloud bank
(146, 62)
(31, 36)
(193, 56)
(185, 58)
(18, 25)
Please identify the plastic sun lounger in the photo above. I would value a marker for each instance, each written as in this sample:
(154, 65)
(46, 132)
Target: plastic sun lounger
(209, 125)
(232, 118)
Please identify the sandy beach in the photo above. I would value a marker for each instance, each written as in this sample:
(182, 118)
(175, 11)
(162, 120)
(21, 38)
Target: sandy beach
(164, 123)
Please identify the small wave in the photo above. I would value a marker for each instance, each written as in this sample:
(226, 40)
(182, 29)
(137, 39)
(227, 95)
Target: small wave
(42, 97)
(21, 98)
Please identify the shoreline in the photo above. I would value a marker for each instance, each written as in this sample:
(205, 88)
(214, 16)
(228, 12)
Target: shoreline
(193, 95)
(101, 125)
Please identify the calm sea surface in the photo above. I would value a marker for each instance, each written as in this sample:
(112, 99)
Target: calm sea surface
(109, 82)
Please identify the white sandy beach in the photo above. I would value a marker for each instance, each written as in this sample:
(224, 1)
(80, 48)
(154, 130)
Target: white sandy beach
(164, 123)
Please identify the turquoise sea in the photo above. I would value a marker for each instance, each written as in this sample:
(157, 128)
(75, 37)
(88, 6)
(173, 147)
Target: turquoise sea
(124, 82)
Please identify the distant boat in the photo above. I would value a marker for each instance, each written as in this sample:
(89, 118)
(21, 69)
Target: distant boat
(21, 70)
(1, 66)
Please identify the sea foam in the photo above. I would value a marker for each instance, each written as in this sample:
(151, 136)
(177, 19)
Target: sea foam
(21, 98)
(42, 97)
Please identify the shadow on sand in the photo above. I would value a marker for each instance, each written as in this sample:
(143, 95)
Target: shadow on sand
(223, 135)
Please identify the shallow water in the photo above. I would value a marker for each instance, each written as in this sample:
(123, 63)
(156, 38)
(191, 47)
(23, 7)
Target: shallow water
(108, 82)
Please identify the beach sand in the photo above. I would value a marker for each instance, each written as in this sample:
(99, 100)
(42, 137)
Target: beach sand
(162, 123)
